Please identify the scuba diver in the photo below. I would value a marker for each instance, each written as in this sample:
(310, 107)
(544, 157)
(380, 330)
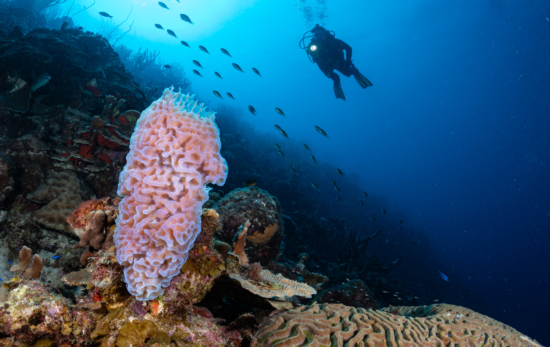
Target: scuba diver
(328, 53)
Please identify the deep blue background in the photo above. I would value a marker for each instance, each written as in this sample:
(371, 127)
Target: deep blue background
(454, 133)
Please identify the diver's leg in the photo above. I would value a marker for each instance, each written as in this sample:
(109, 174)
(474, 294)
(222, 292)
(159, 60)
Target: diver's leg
(328, 70)
(337, 87)
(362, 80)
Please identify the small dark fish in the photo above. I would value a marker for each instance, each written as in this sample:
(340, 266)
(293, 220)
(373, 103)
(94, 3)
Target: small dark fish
(443, 276)
(41, 81)
(338, 198)
(217, 94)
(315, 187)
(401, 221)
(279, 111)
(163, 5)
(293, 171)
(230, 95)
(362, 203)
(413, 243)
(256, 71)
(186, 18)
(281, 153)
(277, 146)
(197, 73)
(171, 33)
(159, 26)
(411, 233)
(313, 159)
(306, 147)
(202, 48)
(321, 131)
(185, 44)
(250, 183)
(373, 218)
(365, 193)
(105, 14)
(237, 67)
(56, 257)
(282, 132)
(218, 74)
(339, 171)
(252, 110)
(167, 66)
(383, 210)
(224, 51)
(197, 63)
(336, 187)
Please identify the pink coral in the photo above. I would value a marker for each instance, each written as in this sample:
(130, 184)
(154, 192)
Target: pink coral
(174, 153)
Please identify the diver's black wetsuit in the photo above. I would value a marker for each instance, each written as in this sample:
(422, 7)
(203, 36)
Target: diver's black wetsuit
(328, 54)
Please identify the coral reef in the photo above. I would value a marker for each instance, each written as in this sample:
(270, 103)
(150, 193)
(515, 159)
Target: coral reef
(62, 192)
(265, 233)
(197, 275)
(274, 286)
(299, 272)
(15, 14)
(174, 153)
(239, 244)
(7, 171)
(353, 293)
(335, 324)
(148, 70)
(26, 268)
(73, 58)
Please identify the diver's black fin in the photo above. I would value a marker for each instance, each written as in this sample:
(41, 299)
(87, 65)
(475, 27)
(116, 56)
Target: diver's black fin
(339, 92)
(362, 80)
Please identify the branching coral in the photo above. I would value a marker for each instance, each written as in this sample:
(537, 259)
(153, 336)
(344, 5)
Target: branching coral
(435, 325)
(26, 268)
(239, 243)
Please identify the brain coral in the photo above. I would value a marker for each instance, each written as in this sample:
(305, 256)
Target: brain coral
(435, 325)
(174, 153)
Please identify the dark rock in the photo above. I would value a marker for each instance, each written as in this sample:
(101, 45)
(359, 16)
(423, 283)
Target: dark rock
(266, 224)
(7, 181)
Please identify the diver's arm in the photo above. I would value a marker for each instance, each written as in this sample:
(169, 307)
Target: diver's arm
(346, 48)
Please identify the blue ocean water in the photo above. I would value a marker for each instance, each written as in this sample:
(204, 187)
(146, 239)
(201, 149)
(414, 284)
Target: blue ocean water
(454, 134)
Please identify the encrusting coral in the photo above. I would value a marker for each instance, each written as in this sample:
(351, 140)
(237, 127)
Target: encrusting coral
(174, 153)
(435, 325)
(274, 286)
(62, 192)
